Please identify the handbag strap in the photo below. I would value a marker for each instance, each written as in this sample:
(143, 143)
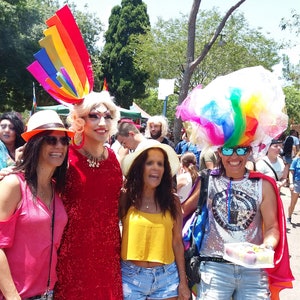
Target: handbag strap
(52, 243)
(204, 176)
(272, 169)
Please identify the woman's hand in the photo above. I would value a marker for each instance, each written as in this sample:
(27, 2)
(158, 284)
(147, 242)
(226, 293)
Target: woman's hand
(184, 292)
(19, 154)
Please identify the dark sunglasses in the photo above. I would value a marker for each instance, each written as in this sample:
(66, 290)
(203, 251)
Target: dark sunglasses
(53, 140)
(240, 151)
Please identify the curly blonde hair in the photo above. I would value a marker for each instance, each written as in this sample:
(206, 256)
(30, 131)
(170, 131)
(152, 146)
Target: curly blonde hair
(91, 101)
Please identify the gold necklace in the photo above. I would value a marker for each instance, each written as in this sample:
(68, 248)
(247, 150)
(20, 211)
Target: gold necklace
(92, 160)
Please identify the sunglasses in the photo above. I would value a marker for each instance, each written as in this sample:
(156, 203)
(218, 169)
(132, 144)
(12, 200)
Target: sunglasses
(53, 140)
(240, 151)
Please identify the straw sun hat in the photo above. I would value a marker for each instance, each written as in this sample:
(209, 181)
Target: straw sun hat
(172, 157)
(45, 120)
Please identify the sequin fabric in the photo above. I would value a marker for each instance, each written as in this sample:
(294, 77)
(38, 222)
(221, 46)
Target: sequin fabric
(89, 257)
(234, 214)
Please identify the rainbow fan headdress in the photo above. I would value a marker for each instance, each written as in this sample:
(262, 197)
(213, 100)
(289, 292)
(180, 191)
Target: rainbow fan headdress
(63, 66)
(242, 108)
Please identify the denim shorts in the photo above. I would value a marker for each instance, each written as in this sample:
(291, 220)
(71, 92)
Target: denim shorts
(229, 281)
(288, 160)
(297, 186)
(149, 283)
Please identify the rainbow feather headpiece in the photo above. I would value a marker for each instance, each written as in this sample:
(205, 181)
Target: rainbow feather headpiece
(242, 108)
(63, 66)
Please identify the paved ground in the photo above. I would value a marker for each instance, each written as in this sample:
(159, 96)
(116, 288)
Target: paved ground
(293, 234)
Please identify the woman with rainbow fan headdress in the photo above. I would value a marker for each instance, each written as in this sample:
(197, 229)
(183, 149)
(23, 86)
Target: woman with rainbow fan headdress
(238, 115)
(89, 258)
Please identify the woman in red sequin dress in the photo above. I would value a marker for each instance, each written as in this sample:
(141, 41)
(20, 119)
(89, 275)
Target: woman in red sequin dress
(89, 257)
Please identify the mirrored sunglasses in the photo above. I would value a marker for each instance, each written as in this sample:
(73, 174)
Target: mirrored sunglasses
(53, 140)
(240, 151)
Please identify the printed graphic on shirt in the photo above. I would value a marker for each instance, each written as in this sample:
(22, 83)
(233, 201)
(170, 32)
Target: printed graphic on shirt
(234, 212)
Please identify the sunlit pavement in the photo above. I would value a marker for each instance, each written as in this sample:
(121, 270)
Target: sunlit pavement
(293, 235)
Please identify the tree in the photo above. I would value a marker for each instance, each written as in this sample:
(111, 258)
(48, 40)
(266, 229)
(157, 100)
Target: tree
(21, 27)
(191, 61)
(292, 101)
(291, 72)
(124, 79)
(162, 52)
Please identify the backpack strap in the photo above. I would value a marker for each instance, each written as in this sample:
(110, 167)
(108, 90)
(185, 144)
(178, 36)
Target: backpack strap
(272, 169)
(204, 177)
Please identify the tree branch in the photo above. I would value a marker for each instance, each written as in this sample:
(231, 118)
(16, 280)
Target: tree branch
(217, 32)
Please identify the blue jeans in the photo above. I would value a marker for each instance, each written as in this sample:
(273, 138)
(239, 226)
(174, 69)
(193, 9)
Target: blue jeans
(224, 281)
(149, 283)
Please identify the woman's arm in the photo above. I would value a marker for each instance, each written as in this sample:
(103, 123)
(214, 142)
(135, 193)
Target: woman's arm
(183, 290)
(269, 214)
(190, 204)
(7, 285)
(10, 197)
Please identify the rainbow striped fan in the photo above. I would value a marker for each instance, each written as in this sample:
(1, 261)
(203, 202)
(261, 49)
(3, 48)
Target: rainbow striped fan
(63, 66)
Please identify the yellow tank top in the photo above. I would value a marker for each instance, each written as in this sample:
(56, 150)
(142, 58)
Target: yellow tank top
(147, 237)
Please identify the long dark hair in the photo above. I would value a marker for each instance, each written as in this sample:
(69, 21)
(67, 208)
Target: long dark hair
(30, 162)
(18, 124)
(134, 185)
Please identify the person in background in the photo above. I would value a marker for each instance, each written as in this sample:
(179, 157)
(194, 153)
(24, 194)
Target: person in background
(290, 148)
(187, 175)
(272, 164)
(294, 186)
(208, 159)
(130, 137)
(152, 251)
(11, 128)
(186, 146)
(89, 258)
(30, 206)
(243, 206)
(157, 129)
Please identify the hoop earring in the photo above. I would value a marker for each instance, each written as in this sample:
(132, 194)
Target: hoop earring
(81, 143)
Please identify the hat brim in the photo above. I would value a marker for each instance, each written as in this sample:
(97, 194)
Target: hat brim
(28, 135)
(172, 157)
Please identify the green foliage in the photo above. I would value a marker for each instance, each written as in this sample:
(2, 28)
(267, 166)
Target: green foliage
(292, 101)
(153, 106)
(126, 81)
(291, 72)
(21, 27)
(292, 24)
(162, 52)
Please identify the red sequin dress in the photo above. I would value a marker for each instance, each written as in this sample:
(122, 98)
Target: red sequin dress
(89, 258)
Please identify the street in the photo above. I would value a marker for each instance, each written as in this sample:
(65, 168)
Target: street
(293, 235)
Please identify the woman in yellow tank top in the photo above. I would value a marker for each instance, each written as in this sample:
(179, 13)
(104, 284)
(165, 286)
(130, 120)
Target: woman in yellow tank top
(152, 250)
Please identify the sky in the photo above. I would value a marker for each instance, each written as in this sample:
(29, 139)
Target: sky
(259, 13)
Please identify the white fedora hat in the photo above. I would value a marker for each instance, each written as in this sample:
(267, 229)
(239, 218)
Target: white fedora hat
(44, 120)
(172, 157)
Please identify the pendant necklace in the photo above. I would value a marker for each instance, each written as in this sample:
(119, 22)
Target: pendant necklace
(92, 160)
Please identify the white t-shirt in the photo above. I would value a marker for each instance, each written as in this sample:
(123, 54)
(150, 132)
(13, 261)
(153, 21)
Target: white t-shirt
(278, 167)
(184, 191)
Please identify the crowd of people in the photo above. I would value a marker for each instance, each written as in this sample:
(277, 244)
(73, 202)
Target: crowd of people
(84, 190)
